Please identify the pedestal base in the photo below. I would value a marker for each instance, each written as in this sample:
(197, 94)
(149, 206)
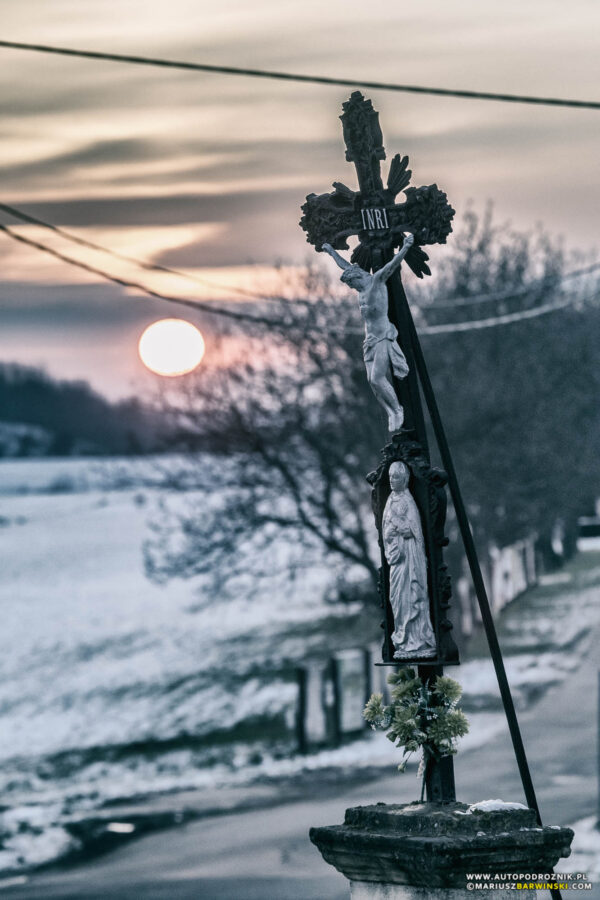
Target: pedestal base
(430, 845)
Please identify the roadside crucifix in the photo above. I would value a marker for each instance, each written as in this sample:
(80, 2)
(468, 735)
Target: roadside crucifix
(408, 494)
(409, 498)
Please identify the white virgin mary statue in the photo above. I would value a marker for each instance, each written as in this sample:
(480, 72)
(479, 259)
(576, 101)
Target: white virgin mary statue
(404, 547)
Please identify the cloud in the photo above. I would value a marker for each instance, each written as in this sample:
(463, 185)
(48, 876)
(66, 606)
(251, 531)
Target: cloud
(96, 153)
(255, 228)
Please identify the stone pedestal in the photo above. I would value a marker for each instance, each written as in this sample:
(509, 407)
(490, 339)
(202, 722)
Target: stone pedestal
(424, 851)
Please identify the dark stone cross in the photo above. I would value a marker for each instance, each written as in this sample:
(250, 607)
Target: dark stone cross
(373, 215)
(372, 212)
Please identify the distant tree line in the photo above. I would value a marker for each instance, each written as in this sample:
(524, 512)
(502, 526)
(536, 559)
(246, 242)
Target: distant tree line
(75, 418)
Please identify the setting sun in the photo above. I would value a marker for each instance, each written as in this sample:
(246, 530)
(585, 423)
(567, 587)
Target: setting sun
(171, 347)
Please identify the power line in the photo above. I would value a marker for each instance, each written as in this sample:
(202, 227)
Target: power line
(181, 301)
(509, 294)
(91, 245)
(507, 319)
(150, 267)
(306, 79)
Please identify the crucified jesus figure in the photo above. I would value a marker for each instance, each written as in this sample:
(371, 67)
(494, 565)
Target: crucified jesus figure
(382, 353)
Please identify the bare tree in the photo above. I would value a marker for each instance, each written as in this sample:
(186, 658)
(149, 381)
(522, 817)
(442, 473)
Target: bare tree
(521, 402)
(295, 431)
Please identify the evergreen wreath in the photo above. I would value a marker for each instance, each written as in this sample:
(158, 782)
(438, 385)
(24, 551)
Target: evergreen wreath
(420, 716)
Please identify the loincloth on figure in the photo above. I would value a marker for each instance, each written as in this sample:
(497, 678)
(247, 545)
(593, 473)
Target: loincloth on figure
(395, 354)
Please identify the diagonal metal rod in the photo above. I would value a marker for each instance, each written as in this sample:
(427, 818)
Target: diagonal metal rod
(484, 605)
(467, 536)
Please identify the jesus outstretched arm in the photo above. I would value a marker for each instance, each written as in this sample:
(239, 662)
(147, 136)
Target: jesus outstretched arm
(342, 263)
(384, 273)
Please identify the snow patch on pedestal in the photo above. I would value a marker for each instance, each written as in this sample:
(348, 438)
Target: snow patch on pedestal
(493, 806)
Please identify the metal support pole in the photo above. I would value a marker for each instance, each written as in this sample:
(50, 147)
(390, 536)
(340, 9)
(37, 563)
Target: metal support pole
(439, 774)
(302, 681)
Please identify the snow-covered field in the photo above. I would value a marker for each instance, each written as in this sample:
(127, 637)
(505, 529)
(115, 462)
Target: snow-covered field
(112, 686)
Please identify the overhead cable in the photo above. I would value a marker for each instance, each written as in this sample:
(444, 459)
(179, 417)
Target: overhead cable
(507, 319)
(307, 79)
(124, 282)
(150, 267)
(509, 294)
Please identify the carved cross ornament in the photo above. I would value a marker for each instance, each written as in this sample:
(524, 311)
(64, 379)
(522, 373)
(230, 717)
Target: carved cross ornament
(372, 212)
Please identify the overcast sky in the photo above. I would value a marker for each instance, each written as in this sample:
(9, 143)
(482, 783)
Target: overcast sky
(208, 172)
